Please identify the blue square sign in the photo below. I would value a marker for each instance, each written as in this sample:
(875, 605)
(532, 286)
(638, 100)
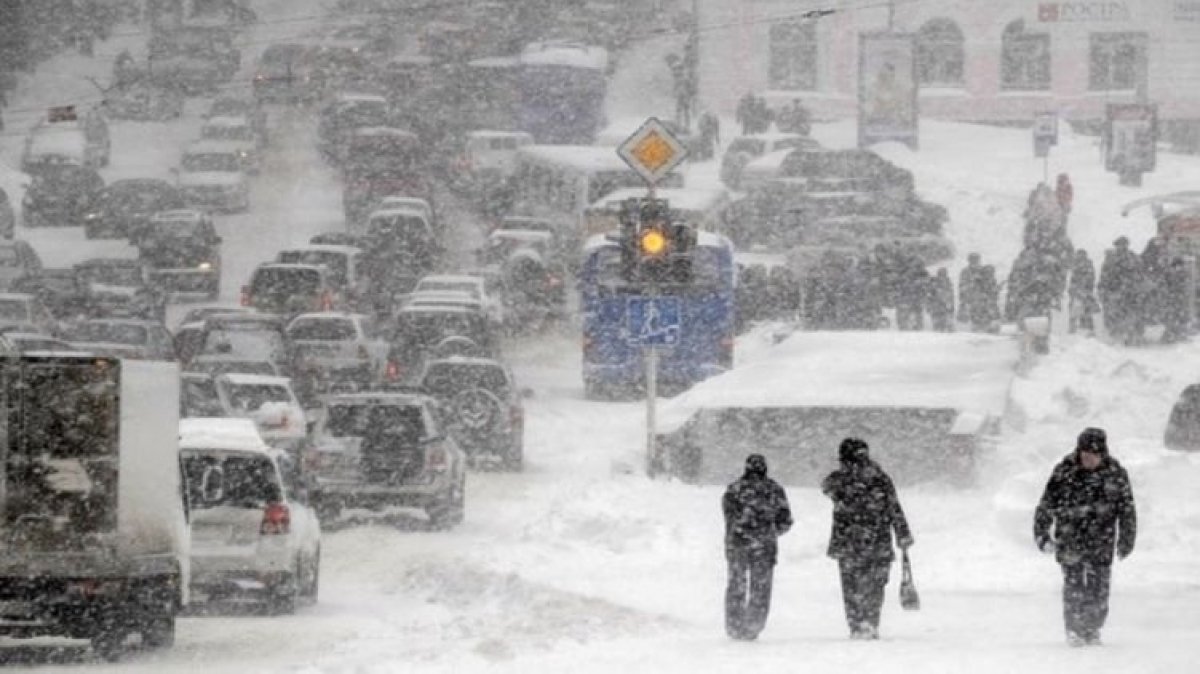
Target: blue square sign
(654, 321)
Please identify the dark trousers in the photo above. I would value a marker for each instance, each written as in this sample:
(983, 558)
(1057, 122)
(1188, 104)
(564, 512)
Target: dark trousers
(1085, 597)
(863, 581)
(748, 593)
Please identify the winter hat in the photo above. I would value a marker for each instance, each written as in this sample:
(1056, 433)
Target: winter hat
(756, 464)
(852, 450)
(1092, 440)
(1121, 242)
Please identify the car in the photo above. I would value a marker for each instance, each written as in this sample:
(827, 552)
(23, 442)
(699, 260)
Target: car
(26, 313)
(481, 405)
(239, 128)
(345, 264)
(488, 158)
(13, 342)
(195, 60)
(122, 338)
(373, 450)
(61, 194)
(474, 286)
(269, 402)
(19, 262)
(212, 175)
(282, 73)
(141, 101)
(401, 237)
(183, 252)
(334, 350)
(383, 153)
(362, 189)
(8, 217)
(216, 364)
(253, 530)
(122, 208)
(291, 289)
(243, 335)
(345, 113)
(119, 288)
(198, 396)
(532, 267)
(251, 109)
(1183, 426)
(81, 138)
(421, 333)
(743, 149)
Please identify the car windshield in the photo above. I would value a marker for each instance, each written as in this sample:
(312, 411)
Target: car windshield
(14, 310)
(250, 397)
(111, 333)
(198, 398)
(322, 329)
(223, 479)
(138, 199)
(244, 340)
(110, 275)
(174, 229)
(449, 378)
(469, 287)
(227, 132)
(403, 422)
(25, 344)
(335, 262)
(277, 282)
(211, 161)
(430, 328)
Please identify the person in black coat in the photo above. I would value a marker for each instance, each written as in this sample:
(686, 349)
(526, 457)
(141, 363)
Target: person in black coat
(1086, 511)
(756, 515)
(866, 510)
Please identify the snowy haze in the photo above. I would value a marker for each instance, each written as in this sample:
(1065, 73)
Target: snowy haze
(580, 563)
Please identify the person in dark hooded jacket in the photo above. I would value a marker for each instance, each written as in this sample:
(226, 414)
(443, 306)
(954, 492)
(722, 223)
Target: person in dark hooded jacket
(866, 510)
(756, 515)
(1086, 510)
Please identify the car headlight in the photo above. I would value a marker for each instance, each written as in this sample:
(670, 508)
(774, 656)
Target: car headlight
(205, 266)
(91, 216)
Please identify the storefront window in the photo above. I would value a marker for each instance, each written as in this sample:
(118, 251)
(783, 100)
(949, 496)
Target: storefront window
(1024, 59)
(1116, 61)
(940, 54)
(793, 50)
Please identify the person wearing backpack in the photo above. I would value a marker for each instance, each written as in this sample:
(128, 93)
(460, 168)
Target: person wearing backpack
(756, 515)
(866, 510)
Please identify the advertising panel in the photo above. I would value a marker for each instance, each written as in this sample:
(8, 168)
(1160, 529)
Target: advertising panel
(887, 89)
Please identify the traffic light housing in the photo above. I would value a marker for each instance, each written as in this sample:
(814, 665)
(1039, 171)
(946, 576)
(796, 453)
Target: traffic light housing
(655, 250)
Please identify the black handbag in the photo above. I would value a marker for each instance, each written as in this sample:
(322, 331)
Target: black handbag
(909, 599)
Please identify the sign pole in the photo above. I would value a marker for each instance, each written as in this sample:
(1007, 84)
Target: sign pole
(651, 402)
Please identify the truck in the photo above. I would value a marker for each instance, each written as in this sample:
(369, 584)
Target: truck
(93, 523)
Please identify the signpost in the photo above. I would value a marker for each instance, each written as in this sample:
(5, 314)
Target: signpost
(653, 322)
(1130, 141)
(1045, 135)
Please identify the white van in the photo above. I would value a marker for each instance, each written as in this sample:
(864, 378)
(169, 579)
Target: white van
(489, 156)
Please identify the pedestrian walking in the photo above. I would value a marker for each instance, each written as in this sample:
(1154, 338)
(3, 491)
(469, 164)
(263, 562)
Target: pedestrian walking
(1081, 293)
(756, 515)
(866, 510)
(940, 301)
(1085, 512)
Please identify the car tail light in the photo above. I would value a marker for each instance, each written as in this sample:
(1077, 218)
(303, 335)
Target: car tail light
(245, 296)
(438, 460)
(392, 371)
(326, 301)
(277, 519)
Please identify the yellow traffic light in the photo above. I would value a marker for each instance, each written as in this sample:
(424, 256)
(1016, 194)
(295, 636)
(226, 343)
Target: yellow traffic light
(653, 242)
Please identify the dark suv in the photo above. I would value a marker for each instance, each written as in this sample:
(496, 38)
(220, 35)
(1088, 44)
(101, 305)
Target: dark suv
(422, 333)
(61, 195)
(123, 208)
(481, 405)
(119, 288)
(386, 449)
(183, 252)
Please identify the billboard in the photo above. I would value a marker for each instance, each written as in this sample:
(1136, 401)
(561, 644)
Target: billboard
(887, 88)
(1130, 137)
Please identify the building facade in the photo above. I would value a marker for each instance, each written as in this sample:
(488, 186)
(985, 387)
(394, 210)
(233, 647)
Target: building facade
(996, 61)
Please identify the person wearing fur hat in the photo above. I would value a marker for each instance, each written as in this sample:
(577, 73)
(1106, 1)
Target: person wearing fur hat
(1086, 511)
(756, 515)
(866, 511)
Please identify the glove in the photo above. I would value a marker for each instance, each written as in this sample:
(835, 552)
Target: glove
(1047, 546)
(905, 543)
(1123, 553)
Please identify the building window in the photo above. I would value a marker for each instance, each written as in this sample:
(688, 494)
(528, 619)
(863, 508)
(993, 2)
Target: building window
(1116, 61)
(793, 49)
(1024, 59)
(940, 54)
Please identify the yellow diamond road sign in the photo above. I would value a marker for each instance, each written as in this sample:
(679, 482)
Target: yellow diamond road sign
(652, 151)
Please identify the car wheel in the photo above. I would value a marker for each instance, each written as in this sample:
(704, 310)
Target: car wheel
(159, 630)
(314, 582)
(110, 642)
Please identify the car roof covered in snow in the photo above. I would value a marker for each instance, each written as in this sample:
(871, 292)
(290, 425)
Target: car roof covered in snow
(565, 53)
(323, 248)
(967, 372)
(221, 433)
